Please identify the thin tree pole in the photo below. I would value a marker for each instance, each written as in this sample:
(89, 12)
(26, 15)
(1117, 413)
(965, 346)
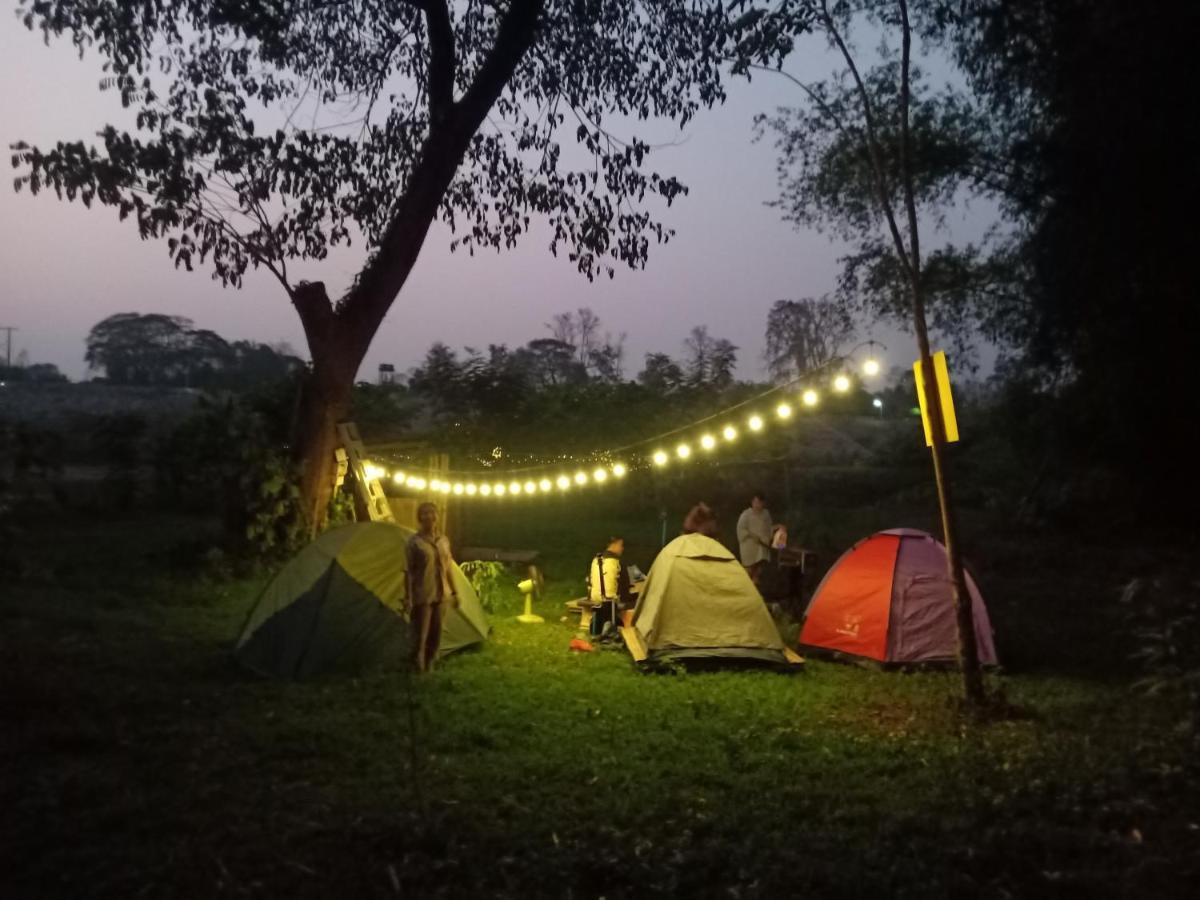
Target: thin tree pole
(910, 258)
(8, 329)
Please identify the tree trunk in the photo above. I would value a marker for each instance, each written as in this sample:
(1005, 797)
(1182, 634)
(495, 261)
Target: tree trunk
(325, 399)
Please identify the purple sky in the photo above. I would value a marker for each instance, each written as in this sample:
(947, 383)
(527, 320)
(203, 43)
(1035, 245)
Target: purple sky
(66, 267)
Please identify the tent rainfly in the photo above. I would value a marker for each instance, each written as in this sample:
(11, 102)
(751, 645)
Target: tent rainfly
(889, 599)
(338, 607)
(699, 604)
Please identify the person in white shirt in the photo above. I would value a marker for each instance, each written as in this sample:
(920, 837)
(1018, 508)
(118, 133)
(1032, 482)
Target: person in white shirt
(754, 536)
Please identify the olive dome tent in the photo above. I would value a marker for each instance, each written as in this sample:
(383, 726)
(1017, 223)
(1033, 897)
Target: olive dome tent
(698, 603)
(337, 606)
(889, 599)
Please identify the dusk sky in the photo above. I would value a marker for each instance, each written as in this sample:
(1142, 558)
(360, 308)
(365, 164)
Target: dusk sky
(67, 267)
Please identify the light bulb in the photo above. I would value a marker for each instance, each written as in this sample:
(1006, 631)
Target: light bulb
(581, 477)
(618, 470)
(871, 367)
(810, 398)
(458, 489)
(514, 487)
(600, 475)
(755, 423)
(398, 477)
(660, 458)
(498, 490)
(545, 484)
(708, 442)
(471, 490)
(531, 488)
(485, 490)
(683, 451)
(784, 411)
(730, 433)
(841, 384)
(563, 482)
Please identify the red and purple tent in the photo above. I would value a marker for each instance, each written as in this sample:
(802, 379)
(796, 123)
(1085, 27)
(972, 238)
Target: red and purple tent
(889, 599)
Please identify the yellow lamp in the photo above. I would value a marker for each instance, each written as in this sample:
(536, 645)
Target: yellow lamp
(871, 367)
(514, 487)
(708, 442)
(783, 410)
(730, 433)
(660, 458)
(841, 384)
(755, 423)
(471, 490)
(531, 488)
(810, 398)
(618, 471)
(683, 451)
(545, 484)
(563, 482)
(581, 478)
(600, 476)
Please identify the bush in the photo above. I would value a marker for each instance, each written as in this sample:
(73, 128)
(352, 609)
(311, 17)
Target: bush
(486, 578)
(1165, 616)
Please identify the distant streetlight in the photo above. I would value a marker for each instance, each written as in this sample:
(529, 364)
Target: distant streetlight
(878, 404)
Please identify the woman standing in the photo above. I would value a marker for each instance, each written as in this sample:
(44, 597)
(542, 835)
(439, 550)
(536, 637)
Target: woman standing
(428, 565)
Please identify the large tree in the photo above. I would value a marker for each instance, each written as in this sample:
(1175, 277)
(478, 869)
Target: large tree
(267, 133)
(804, 334)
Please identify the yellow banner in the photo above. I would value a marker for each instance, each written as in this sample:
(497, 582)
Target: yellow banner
(942, 376)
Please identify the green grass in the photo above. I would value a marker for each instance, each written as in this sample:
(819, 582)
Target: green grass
(138, 760)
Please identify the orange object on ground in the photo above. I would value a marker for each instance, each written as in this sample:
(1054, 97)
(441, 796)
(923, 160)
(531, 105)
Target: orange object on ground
(581, 645)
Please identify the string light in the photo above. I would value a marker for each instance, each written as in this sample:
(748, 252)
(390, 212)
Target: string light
(602, 472)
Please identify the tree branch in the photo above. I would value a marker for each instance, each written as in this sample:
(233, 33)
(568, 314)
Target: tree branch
(873, 150)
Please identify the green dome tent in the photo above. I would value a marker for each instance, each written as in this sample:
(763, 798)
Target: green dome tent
(338, 607)
(700, 605)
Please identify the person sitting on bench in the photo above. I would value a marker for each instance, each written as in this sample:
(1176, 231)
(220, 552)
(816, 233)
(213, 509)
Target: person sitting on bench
(608, 586)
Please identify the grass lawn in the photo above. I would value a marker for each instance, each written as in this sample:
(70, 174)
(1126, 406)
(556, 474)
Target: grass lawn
(138, 760)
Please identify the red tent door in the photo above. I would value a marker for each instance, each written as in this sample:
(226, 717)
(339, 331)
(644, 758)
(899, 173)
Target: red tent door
(850, 613)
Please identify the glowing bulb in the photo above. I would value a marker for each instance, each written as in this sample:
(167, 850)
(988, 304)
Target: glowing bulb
(458, 489)
(600, 475)
(485, 490)
(531, 488)
(755, 423)
(619, 471)
(729, 433)
(871, 367)
(660, 458)
(398, 477)
(498, 490)
(581, 477)
(420, 484)
(841, 384)
(708, 442)
(434, 484)
(563, 482)
(545, 484)
(683, 451)
(877, 403)
(810, 398)
(471, 490)
(784, 411)
(514, 487)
